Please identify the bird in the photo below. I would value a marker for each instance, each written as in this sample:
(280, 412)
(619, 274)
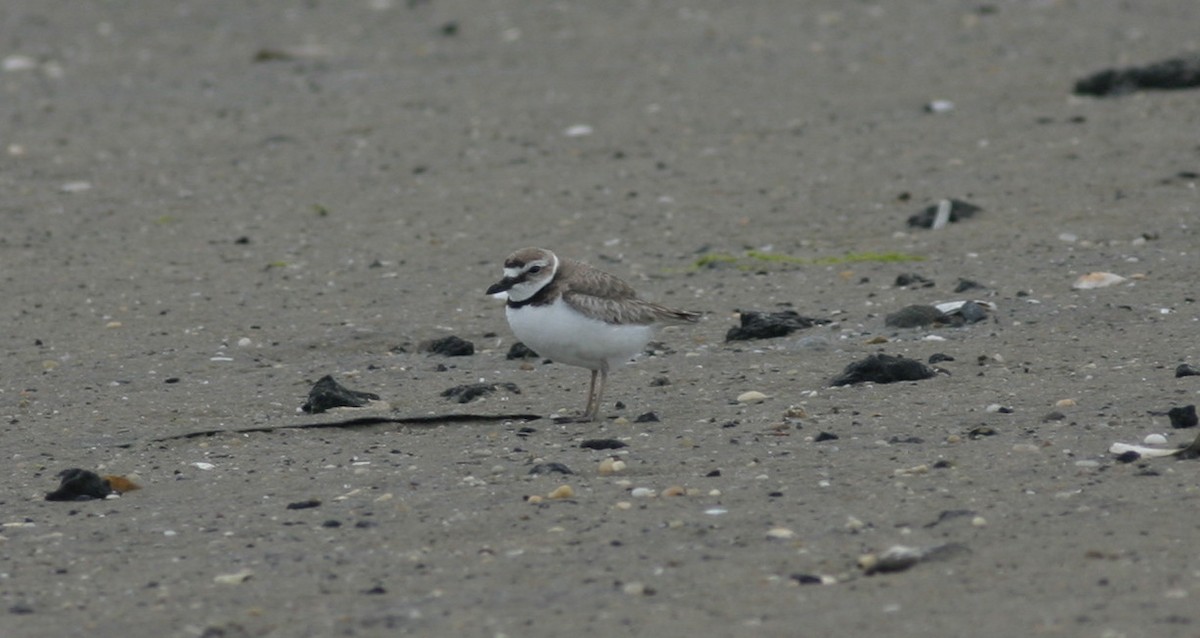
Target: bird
(575, 314)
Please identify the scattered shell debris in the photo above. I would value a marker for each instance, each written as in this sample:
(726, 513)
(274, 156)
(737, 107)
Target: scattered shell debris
(1097, 280)
(898, 558)
(752, 396)
(236, 578)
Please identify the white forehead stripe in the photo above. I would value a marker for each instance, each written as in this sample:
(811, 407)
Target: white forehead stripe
(512, 272)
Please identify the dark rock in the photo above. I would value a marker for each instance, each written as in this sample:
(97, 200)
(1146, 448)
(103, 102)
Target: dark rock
(1185, 370)
(1171, 74)
(806, 579)
(883, 368)
(471, 391)
(915, 316)
(713, 473)
(648, 417)
(327, 393)
(959, 210)
(825, 436)
(451, 346)
(981, 431)
(80, 485)
(1184, 417)
(972, 312)
(304, 505)
(550, 468)
(1128, 457)
(602, 444)
(966, 284)
(912, 280)
(939, 357)
(767, 325)
(519, 350)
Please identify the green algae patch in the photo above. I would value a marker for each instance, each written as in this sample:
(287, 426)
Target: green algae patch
(756, 259)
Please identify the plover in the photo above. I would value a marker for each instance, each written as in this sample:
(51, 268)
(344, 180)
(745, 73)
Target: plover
(569, 312)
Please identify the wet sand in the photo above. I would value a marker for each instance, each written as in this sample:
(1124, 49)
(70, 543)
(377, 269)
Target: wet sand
(208, 206)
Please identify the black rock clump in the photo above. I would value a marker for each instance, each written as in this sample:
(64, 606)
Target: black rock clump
(959, 210)
(519, 350)
(471, 391)
(913, 280)
(602, 444)
(451, 346)
(550, 468)
(883, 368)
(1171, 74)
(768, 325)
(1185, 370)
(915, 316)
(1184, 417)
(80, 485)
(327, 393)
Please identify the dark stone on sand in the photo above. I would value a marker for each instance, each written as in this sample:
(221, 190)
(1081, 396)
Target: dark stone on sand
(966, 284)
(550, 468)
(327, 393)
(451, 346)
(1184, 417)
(80, 485)
(602, 444)
(959, 210)
(939, 357)
(1185, 370)
(519, 350)
(825, 436)
(648, 417)
(981, 431)
(915, 316)
(471, 391)
(304, 505)
(1128, 457)
(1165, 75)
(913, 280)
(768, 325)
(883, 368)
(972, 312)
(806, 579)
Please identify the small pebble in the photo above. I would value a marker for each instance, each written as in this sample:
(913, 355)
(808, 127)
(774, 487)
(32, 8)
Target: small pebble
(234, 578)
(1065, 403)
(562, 491)
(752, 396)
(642, 492)
(674, 490)
(781, 533)
(634, 589)
(1097, 280)
(1155, 439)
(534, 500)
(979, 521)
(1025, 447)
(610, 466)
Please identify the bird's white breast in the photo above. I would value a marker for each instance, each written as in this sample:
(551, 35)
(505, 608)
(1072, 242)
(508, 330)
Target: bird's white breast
(559, 332)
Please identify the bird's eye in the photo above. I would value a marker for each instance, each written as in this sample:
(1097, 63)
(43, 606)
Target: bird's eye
(533, 270)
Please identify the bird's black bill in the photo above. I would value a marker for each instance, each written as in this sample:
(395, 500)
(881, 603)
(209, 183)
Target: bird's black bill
(501, 286)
